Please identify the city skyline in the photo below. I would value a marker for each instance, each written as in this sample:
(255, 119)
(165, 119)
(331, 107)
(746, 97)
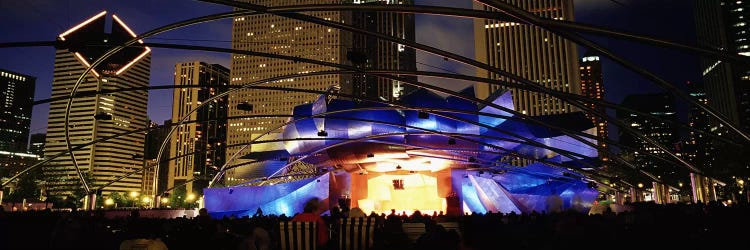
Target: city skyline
(670, 26)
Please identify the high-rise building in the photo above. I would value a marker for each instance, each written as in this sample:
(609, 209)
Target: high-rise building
(658, 105)
(531, 53)
(592, 87)
(154, 139)
(36, 144)
(284, 36)
(16, 99)
(700, 147)
(197, 148)
(723, 25)
(369, 52)
(94, 116)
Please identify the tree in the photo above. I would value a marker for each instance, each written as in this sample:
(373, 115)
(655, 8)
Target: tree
(27, 187)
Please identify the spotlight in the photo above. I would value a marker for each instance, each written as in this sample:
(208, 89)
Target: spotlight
(231, 191)
(317, 180)
(423, 115)
(370, 155)
(322, 133)
(451, 141)
(398, 167)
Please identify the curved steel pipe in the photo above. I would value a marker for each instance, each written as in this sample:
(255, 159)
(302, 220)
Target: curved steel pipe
(165, 28)
(535, 20)
(510, 10)
(341, 26)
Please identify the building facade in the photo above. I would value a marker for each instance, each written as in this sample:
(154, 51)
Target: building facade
(592, 86)
(284, 36)
(95, 116)
(372, 53)
(197, 148)
(16, 99)
(531, 53)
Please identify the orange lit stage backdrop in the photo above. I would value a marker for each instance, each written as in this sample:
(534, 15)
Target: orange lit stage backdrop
(402, 191)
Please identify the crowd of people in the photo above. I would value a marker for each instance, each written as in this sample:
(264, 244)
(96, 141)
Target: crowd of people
(646, 225)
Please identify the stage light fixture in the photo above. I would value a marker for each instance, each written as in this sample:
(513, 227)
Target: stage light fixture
(370, 155)
(423, 115)
(451, 141)
(323, 133)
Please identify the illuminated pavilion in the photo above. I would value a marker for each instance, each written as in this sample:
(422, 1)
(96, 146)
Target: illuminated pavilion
(430, 154)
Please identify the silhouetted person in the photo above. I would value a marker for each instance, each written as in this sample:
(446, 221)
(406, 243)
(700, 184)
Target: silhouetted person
(311, 213)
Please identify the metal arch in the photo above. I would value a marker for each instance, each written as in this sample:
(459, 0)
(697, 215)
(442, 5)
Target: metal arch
(409, 81)
(416, 83)
(348, 141)
(428, 110)
(471, 13)
(395, 106)
(185, 23)
(165, 28)
(320, 92)
(258, 87)
(433, 50)
(488, 165)
(534, 20)
(417, 73)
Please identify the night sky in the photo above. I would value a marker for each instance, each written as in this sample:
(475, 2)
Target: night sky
(43, 20)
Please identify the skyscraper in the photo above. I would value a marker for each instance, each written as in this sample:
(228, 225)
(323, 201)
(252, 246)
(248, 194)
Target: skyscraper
(97, 115)
(529, 52)
(371, 53)
(660, 105)
(592, 87)
(197, 149)
(723, 25)
(284, 36)
(16, 97)
(700, 147)
(154, 139)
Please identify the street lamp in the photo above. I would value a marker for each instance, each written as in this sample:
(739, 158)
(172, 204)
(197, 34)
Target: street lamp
(190, 197)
